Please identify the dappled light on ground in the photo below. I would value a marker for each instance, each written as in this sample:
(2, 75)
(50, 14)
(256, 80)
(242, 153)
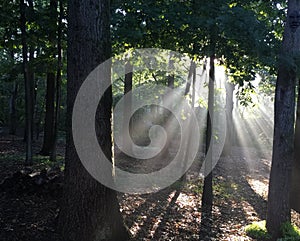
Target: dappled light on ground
(240, 186)
(260, 187)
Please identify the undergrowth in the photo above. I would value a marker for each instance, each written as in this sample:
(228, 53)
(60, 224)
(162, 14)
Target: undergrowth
(257, 230)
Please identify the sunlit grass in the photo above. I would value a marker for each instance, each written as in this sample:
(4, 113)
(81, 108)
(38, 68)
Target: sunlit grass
(258, 231)
(223, 189)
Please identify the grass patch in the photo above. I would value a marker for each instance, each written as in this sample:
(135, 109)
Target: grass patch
(225, 189)
(39, 162)
(11, 157)
(44, 162)
(258, 230)
(290, 232)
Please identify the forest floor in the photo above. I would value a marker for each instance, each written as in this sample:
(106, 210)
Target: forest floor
(29, 207)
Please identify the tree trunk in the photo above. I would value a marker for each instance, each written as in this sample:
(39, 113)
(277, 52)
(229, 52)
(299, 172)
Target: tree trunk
(89, 210)
(167, 116)
(192, 77)
(207, 196)
(28, 86)
(31, 74)
(12, 109)
(49, 115)
(229, 121)
(58, 82)
(189, 79)
(50, 91)
(127, 106)
(171, 77)
(283, 144)
(295, 187)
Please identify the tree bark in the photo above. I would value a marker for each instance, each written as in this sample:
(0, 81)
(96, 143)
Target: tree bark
(171, 77)
(49, 115)
(89, 210)
(207, 194)
(12, 109)
(58, 83)
(207, 197)
(167, 116)
(50, 91)
(283, 143)
(229, 121)
(295, 187)
(127, 105)
(189, 79)
(28, 86)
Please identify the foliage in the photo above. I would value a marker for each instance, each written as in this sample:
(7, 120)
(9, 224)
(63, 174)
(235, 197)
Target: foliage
(39, 162)
(244, 35)
(258, 230)
(290, 232)
(41, 27)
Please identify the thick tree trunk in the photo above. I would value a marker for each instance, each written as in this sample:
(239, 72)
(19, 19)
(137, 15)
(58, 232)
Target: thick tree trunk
(49, 115)
(295, 183)
(28, 86)
(89, 210)
(283, 143)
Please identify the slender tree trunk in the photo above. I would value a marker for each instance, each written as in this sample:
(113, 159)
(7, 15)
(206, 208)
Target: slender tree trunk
(31, 74)
(89, 210)
(168, 117)
(33, 86)
(50, 91)
(171, 77)
(127, 105)
(12, 109)
(58, 82)
(192, 77)
(207, 194)
(229, 121)
(39, 116)
(49, 115)
(207, 197)
(12, 102)
(283, 144)
(28, 85)
(189, 79)
(295, 187)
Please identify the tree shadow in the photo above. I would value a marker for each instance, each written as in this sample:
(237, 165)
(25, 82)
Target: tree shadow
(238, 204)
(157, 209)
